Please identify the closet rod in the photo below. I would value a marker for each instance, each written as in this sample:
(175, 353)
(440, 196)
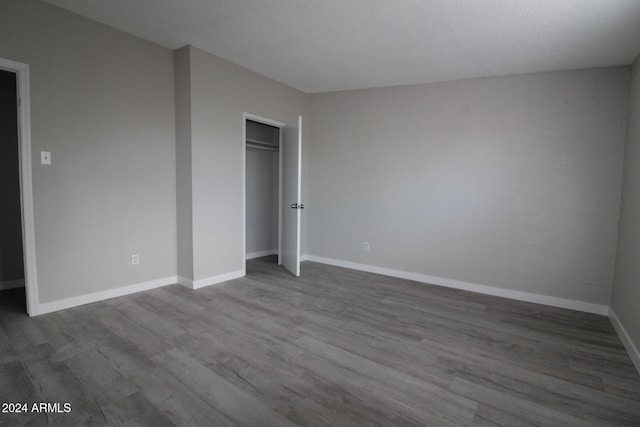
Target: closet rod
(265, 147)
(257, 141)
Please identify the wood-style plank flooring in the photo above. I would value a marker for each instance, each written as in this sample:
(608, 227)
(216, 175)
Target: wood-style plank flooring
(334, 347)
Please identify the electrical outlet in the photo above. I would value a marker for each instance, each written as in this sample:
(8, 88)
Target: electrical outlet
(45, 157)
(135, 258)
(366, 246)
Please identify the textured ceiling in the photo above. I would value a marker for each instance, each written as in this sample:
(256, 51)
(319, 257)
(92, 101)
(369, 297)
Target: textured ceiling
(328, 45)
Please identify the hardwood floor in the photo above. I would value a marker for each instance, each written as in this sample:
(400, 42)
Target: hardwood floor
(334, 347)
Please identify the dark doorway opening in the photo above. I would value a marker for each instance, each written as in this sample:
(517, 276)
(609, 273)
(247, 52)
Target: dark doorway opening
(12, 278)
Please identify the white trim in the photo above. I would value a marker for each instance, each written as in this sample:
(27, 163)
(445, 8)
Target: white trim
(244, 189)
(26, 183)
(260, 254)
(305, 258)
(631, 348)
(472, 287)
(254, 118)
(213, 280)
(62, 304)
(280, 162)
(11, 284)
(299, 198)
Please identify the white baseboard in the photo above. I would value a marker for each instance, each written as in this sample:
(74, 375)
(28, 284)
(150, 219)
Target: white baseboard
(62, 304)
(214, 280)
(11, 284)
(631, 348)
(260, 254)
(304, 258)
(473, 287)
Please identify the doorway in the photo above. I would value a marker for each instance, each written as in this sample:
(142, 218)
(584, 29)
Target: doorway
(262, 190)
(16, 118)
(262, 134)
(11, 247)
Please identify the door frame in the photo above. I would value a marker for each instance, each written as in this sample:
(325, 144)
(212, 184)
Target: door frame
(279, 125)
(26, 182)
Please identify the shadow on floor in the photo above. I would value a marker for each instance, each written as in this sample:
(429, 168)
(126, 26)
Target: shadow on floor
(13, 301)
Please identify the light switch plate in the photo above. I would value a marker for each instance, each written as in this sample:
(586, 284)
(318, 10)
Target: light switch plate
(45, 157)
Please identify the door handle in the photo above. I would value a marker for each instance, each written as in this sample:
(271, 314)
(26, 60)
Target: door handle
(297, 206)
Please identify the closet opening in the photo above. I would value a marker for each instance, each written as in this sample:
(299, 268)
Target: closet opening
(12, 277)
(262, 190)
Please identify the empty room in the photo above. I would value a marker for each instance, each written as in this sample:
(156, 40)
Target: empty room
(320, 213)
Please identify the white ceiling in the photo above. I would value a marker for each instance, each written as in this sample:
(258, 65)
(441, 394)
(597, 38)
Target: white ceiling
(328, 45)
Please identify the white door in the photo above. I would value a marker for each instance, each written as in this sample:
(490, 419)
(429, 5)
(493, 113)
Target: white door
(291, 194)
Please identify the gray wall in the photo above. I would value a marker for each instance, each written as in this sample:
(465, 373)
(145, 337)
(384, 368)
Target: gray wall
(220, 93)
(512, 182)
(626, 290)
(102, 103)
(11, 262)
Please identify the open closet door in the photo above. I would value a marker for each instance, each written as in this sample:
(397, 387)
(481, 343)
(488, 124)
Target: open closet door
(291, 193)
